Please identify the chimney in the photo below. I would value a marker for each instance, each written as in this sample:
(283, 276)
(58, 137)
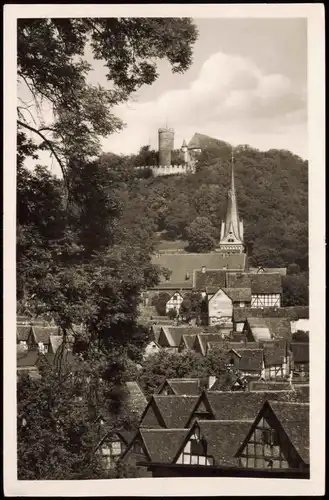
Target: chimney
(211, 381)
(203, 269)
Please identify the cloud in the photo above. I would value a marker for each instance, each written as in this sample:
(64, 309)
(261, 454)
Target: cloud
(230, 98)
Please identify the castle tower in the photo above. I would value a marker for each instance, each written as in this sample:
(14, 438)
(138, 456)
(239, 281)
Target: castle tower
(231, 239)
(184, 150)
(166, 145)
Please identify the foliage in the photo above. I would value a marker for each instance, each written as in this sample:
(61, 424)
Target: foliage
(300, 336)
(159, 301)
(51, 63)
(200, 235)
(295, 290)
(167, 364)
(192, 305)
(172, 313)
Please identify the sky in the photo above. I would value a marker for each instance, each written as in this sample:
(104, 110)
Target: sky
(247, 85)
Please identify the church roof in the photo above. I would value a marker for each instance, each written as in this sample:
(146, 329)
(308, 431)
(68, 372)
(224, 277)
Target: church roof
(232, 221)
(182, 265)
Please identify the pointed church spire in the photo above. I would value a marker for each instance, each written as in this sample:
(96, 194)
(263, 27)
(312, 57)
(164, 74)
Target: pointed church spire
(232, 229)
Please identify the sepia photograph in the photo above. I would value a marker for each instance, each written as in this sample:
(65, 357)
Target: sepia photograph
(163, 246)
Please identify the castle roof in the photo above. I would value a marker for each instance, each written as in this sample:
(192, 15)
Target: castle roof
(202, 141)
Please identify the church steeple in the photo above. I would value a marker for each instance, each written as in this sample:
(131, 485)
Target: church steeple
(231, 239)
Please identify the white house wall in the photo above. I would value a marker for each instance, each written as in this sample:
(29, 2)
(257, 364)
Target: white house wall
(220, 308)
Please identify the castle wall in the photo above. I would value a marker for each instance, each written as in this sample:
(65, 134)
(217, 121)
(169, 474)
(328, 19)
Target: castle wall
(170, 169)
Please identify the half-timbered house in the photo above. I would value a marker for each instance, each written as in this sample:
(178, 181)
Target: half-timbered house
(278, 438)
(212, 442)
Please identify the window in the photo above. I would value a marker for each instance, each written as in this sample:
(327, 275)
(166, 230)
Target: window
(263, 449)
(270, 437)
(137, 447)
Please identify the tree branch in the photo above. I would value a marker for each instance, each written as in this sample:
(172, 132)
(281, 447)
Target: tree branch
(51, 147)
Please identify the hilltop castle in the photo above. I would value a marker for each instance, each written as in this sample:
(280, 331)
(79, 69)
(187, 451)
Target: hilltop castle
(189, 152)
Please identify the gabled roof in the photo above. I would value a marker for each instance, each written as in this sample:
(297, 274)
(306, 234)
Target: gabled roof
(42, 333)
(240, 314)
(202, 340)
(22, 332)
(183, 386)
(238, 294)
(250, 359)
(224, 438)
(293, 417)
(174, 335)
(214, 278)
(295, 420)
(300, 352)
(156, 329)
(269, 385)
(274, 354)
(162, 444)
(182, 266)
(28, 359)
(243, 405)
(175, 410)
(203, 141)
(188, 340)
(264, 283)
(269, 328)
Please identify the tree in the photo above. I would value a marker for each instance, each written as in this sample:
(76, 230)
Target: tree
(51, 65)
(159, 301)
(172, 313)
(200, 235)
(295, 290)
(300, 336)
(191, 307)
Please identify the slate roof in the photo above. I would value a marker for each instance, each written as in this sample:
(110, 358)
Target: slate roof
(226, 381)
(250, 359)
(269, 385)
(202, 340)
(183, 264)
(162, 444)
(243, 405)
(238, 294)
(224, 437)
(28, 359)
(175, 410)
(184, 386)
(22, 332)
(240, 314)
(264, 283)
(42, 333)
(188, 340)
(211, 278)
(269, 328)
(300, 352)
(174, 334)
(274, 354)
(295, 420)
